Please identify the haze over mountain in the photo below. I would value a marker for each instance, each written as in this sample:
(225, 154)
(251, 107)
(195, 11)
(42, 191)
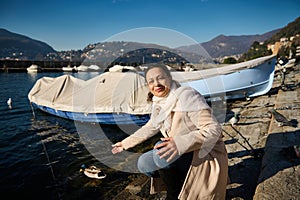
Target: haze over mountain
(22, 47)
(16, 46)
(232, 45)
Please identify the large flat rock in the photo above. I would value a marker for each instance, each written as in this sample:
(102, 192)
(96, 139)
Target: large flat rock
(280, 171)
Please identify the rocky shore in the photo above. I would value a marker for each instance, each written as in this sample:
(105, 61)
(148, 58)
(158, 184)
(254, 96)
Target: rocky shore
(260, 163)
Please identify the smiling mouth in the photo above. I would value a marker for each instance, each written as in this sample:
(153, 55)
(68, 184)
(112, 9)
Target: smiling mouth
(160, 89)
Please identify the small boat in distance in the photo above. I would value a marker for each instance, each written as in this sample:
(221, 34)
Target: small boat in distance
(33, 68)
(90, 68)
(70, 69)
(82, 68)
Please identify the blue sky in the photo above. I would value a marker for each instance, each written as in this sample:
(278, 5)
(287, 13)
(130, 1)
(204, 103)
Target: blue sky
(71, 24)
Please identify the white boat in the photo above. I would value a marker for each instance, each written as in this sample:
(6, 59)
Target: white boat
(110, 98)
(247, 79)
(69, 69)
(94, 68)
(91, 68)
(120, 98)
(33, 68)
(120, 68)
(82, 68)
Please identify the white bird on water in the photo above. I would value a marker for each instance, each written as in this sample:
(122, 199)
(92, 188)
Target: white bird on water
(9, 103)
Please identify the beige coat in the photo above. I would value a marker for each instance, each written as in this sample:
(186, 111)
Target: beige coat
(201, 133)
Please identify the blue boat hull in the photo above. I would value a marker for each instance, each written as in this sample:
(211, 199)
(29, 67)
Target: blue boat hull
(102, 118)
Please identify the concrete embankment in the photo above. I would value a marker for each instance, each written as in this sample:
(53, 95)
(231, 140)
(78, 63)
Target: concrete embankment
(280, 170)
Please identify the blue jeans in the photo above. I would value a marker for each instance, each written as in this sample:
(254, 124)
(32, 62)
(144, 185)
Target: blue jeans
(149, 163)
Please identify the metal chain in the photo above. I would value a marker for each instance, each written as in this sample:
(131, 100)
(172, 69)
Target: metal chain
(268, 115)
(264, 115)
(293, 107)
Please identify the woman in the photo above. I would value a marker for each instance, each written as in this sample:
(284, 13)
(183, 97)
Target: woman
(191, 157)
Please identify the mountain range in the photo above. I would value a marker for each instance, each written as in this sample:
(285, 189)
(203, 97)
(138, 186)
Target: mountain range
(218, 47)
(232, 45)
(14, 46)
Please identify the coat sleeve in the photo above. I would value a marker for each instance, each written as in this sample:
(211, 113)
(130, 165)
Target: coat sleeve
(142, 134)
(203, 137)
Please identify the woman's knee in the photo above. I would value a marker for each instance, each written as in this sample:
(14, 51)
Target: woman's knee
(143, 163)
(151, 161)
(159, 162)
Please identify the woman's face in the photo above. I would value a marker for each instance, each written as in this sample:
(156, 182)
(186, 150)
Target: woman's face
(158, 82)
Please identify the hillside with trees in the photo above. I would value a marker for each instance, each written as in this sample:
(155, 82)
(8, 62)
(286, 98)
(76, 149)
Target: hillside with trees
(283, 43)
(18, 46)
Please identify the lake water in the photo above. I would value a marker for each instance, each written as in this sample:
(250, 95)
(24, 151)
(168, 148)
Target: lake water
(40, 154)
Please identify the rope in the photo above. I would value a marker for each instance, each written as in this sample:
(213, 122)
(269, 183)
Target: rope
(32, 110)
(47, 155)
(254, 152)
(245, 139)
(236, 139)
(51, 168)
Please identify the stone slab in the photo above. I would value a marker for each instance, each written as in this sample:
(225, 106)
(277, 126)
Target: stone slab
(280, 171)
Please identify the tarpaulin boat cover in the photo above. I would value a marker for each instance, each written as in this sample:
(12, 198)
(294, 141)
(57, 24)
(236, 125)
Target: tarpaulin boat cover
(107, 93)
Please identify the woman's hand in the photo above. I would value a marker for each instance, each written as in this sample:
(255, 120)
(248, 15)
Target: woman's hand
(117, 148)
(167, 149)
